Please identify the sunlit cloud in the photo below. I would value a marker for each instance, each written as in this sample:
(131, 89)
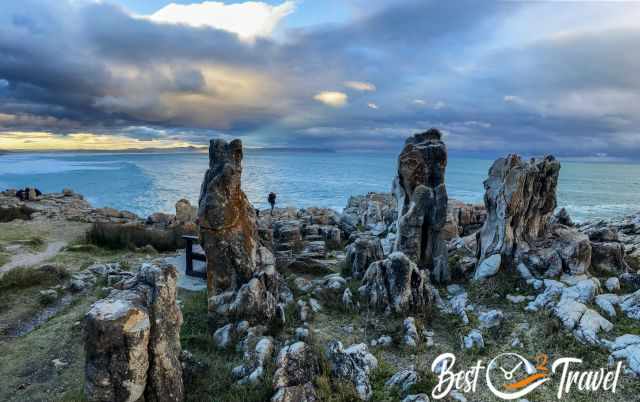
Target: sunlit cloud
(372, 106)
(332, 98)
(36, 141)
(248, 20)
(360, 86)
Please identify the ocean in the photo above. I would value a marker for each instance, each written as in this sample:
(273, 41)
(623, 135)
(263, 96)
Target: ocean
(144, 183)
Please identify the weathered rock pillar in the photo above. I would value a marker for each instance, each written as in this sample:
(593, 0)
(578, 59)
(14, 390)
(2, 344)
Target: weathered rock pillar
(421, 197)
(241, 276)
(520, 198)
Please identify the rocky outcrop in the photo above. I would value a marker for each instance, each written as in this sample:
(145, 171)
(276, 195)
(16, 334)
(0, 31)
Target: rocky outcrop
(241, 277)
(421, 197)
(353, 364)
(395, 284)
(132, 340)
(364, 251)
(520, 199)
(373, 212)
(463, 219)
(296, 368)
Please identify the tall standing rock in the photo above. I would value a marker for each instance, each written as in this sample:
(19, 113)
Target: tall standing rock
(241, 276)
(421, 198)
(520, 198)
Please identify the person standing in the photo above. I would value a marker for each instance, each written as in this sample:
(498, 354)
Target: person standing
(272, 201)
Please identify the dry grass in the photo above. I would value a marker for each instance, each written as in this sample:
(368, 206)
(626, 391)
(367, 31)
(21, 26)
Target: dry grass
(130, 236)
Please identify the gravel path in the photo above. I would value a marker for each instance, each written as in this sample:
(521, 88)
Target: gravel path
(31, 259)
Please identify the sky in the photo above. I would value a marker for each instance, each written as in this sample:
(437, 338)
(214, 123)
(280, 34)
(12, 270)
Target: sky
(532, 77)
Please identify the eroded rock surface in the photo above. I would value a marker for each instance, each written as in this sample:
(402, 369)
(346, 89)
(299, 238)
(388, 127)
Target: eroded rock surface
(241, 277)
(421, 197)
(132, 340)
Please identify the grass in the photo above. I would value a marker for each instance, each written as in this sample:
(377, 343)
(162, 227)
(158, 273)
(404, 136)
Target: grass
(131, 236)
(216, 384)
(21, 278)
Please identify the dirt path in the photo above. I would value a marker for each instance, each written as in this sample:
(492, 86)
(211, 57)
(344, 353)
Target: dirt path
(30, 259)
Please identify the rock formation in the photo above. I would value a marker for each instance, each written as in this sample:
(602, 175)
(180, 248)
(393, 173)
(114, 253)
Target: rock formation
(397, 285)
(132, 340)
(241, 277)
(364, 251)
(422, 202)
(520, 198)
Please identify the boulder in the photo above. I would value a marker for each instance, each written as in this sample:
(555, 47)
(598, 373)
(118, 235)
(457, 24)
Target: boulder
(296, 368)
(608, 258)
(422, 199)
(185, 212)
(353, 364)
(395, 284)
(132, 340)
(404, 379)
(364, 251)
(242, 280)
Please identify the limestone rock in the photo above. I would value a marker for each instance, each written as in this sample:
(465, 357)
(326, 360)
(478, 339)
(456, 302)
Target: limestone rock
(396, 284)
(132, 340)
(627, 347)
(403, 379)
(520, 197)
(421, 197)
(630, 305)
(473, 340)
(410, 335)
(242, 280)
(364, 251)
(353, 364)
(296, 367)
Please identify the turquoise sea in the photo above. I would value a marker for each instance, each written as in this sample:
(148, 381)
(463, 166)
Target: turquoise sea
(148, 182)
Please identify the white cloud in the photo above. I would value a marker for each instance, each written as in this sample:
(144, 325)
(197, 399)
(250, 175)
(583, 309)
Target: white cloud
(360, 86)
(372, 106)
(419, 102)
(332, 98)
(435, 106)
(439, 105)
(248, 20)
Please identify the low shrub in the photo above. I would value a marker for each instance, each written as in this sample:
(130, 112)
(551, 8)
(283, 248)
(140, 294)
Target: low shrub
(21, 278)
(22, 212)
(131, 236)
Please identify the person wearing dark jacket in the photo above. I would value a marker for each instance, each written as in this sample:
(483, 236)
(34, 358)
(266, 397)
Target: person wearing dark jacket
(272, 201)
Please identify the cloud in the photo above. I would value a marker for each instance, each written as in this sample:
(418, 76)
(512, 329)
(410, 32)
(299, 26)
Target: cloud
(494, 80)
(360, 86)
(248, 20)
(332, 98)
(372, 106)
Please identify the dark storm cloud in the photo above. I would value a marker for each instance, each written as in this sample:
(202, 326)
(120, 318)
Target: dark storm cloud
(92, 67)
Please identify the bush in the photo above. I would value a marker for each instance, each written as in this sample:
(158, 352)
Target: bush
(131, 236)
(22, 212)
(21, 278)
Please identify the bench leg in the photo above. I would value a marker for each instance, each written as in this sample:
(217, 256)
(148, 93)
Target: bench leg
(189, 256)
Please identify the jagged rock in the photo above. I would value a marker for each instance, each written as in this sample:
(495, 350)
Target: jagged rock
(630, 305)
(403, 379)
(463, 219)
(410, 335)
(491, 319)
(612, 284)
(185, 212)
(242, 280)
(585, 323)
(354, 364)
(132, 340)
(458, 306)
(562, 217)
(223, 336)
(473, 340)
(608, 258)
(383, 341)
(520, 198)
(330, 288)
(416, 398)
(396, 284)
(302, 333)
(347, 299)
(421, 197)
(627, 347)
(606, 303)
(374, 212)
(253, 370)
(363, 252)
(296, 367)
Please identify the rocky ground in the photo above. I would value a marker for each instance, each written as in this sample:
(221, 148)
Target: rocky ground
(339, 339)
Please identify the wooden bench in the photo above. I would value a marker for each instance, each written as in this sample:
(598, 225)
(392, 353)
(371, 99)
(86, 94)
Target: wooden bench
(193, 255)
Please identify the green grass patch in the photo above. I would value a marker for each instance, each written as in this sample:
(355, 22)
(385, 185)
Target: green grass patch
(132, 236)
(21, 278)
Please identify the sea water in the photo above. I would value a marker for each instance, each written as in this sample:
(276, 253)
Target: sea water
(149, 182)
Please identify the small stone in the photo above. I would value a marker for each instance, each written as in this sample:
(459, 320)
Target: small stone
(612, 284)
(58, 363)
(491, 319)
(473, 340)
